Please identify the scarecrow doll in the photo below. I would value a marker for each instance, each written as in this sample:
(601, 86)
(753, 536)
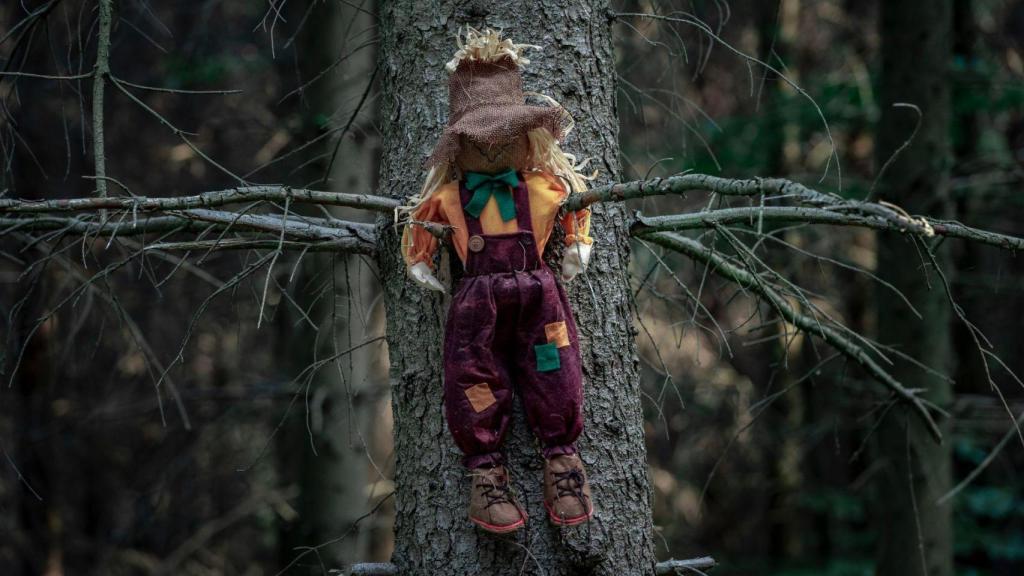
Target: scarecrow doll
(498, 179)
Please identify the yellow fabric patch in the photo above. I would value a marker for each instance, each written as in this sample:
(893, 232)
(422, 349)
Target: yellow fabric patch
(480, 397)
(557, 334)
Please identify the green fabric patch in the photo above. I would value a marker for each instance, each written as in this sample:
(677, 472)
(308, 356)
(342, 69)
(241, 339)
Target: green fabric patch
(547, 357)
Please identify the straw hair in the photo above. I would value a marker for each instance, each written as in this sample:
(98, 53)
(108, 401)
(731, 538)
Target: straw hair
(486, 46)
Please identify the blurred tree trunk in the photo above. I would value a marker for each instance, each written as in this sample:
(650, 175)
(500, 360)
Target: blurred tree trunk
(971, 261)
(779, 25)
(42, 391)
(325, 449)
(37, 544)
(915, 535)
(10, 488)
(433, 535)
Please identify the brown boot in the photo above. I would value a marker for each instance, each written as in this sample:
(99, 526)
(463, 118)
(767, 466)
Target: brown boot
(566, 491)
(491, 504)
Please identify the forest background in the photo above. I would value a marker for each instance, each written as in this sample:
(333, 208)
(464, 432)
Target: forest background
(763, 446)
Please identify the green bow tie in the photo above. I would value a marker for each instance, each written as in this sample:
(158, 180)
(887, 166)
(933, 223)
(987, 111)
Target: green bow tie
(499, 185)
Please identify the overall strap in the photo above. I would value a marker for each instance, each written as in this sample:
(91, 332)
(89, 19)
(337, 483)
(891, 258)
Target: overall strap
(522, 198)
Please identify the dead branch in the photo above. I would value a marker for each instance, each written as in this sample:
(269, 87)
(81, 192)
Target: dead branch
(925, 227)
(101, 73)
(212, 199)
(691, 566)
(680, 185)
(337, 235)
(721, 266)
(300, 227)
(821, 208)
(817, 207)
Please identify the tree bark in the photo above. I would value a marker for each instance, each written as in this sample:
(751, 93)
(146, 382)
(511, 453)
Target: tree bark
(915, 535)
(433, 535)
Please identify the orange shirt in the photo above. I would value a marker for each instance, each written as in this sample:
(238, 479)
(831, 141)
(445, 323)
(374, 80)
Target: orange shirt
(445, 207)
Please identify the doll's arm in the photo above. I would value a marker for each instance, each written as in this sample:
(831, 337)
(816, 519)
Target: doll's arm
(578, 243)
(577, 227)
(419, 246)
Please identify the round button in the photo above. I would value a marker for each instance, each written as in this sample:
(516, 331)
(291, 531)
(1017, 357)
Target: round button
(476, 243)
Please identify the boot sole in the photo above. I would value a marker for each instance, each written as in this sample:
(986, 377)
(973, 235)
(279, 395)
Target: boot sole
(494, 529)
(559, 521)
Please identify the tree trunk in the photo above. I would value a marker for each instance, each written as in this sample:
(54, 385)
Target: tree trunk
(915, 535)
(972, 263)
(433, 535)
(779, 24)
(325, 448)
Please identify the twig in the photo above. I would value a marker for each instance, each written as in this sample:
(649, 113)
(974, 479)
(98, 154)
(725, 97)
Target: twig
(200, 537)
(984, 463)
(722, 267)
(684, 566)
(205, 200)
(101, 72)
(21, 477)
(374, 569)
(46, 76)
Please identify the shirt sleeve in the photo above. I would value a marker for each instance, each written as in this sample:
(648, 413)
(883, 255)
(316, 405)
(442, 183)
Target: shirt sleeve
(576, 224)
(418, 244)
(577, 227)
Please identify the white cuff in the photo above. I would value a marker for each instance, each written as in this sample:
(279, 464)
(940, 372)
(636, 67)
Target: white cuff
(575, 260)
(422, 275)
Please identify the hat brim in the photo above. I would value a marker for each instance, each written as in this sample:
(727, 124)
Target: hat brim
(496, 125)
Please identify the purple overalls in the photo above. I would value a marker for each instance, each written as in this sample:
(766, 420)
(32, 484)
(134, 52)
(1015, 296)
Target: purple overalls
(510, 329)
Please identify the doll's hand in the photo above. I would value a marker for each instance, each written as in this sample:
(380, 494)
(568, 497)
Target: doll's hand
(575, 260)
(421, 274)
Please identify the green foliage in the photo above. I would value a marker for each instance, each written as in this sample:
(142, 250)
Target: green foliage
(989, 515)
(835, 567)
(184, 73)
(831, 502)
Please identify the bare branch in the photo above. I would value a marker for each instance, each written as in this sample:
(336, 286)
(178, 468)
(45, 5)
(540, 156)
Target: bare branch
(45, 76)
(692, 566)
(101, 72)
(337, 235)
(297, 227)
(96, 228)
(680, 185)
(726, 269)
(755, 214)
(823, 208)
(344, 245)
(204, 200)
(891, 221)
(819, 208)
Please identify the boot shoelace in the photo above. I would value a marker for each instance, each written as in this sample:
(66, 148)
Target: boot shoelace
(494, 492)
(570, 483)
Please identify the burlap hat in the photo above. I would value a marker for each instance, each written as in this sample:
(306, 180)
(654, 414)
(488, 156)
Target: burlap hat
(486, 103)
